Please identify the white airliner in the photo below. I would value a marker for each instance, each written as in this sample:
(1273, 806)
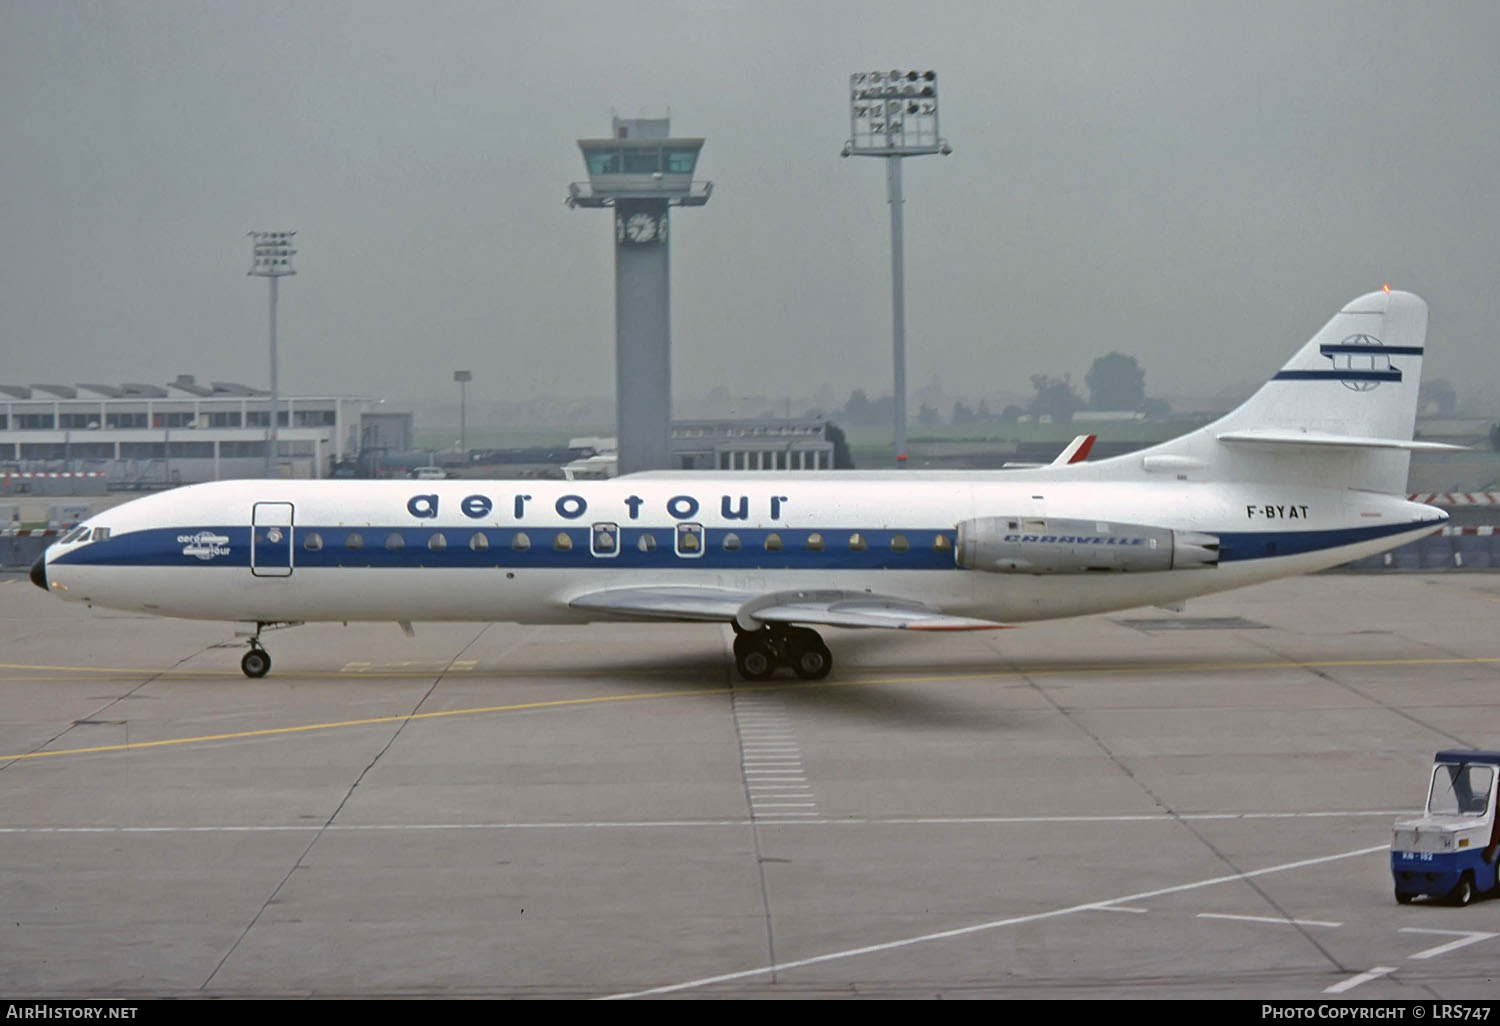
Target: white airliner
(1307, 474)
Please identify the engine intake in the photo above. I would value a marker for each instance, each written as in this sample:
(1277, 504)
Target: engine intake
(1050, 545)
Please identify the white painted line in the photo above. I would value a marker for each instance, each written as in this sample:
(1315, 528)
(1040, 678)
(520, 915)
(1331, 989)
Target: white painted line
(784, 805)
(1118, 908)
(1466, 938)
(1268, 919)
(1355, 981)
(964, 931)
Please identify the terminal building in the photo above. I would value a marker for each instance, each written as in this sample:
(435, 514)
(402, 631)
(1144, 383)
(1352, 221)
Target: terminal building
(141, 435)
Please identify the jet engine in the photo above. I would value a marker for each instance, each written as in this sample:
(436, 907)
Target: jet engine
(1050, 545)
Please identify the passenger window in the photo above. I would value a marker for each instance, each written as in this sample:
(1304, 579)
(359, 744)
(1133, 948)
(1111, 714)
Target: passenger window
(394, 541)
(942, 543)
(690, 539)
(857, 542)
(478, 541)
(815, 542)
(521, 542)
(646, 542)
(773, 542)
(562, 543)
(437, 542)
(605, 539)
(899, 543)
(731, 542)
(354, 540)
(312, 541)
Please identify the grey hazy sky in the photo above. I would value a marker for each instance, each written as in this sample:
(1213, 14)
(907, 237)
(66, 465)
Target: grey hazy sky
(1200, 184)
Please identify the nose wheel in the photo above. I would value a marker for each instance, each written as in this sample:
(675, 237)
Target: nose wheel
(256, 662)
(757, 654)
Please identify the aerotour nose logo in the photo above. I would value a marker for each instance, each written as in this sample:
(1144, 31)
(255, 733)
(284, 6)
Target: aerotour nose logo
(205, 544)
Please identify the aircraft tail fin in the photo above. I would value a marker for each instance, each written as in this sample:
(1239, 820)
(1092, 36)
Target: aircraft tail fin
(1342, 410)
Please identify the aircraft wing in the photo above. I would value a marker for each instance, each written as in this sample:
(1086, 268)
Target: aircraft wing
(828, 607)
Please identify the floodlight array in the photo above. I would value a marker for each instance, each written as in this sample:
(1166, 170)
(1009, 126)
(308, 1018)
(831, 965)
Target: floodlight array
(272, 254)
(893, 111)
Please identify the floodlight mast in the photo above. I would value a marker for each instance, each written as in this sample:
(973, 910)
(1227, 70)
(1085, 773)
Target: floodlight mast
(463, 378)
(272, 258)
(894, 114)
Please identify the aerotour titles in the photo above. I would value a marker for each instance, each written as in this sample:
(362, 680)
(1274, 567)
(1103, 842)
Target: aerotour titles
(573, 507)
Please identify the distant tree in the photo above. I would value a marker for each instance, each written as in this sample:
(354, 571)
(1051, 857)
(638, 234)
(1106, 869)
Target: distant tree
(963, 413)
(1436, 398)
(1011, 414)
(1495, 437)
(1055, 397)
(842, 458)
(857, 409)
(983, 413)
(1156, 407)
(927, 416)
(1116, 382)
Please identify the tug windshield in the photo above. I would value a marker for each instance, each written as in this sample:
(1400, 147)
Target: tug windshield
(1460, 789)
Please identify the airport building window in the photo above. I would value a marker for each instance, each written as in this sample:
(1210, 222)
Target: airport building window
(731, 542)
(232, 450)
(314, 418)
(192, 450)
(176, 419)
(437, 542)
(521, 542)
(312, 541)
(773, 543)
(143, 450)
(354, 540)
(857, 542)
(604, 162)
(394, 542)
(815, 542)
(77, 421)
(562, 543)
(478, 542)
(680, 162)
(642, 162)
(35, 422)
(125, 420)
(899, 543)
(92, 450)
(231, 419)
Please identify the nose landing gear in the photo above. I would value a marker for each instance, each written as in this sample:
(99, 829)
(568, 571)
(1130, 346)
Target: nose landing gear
(757, 654)
(257, 661)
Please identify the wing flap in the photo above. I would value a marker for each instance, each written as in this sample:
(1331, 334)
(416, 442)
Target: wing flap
(827, 608)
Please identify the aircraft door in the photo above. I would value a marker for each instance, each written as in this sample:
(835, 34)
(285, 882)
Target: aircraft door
(271, 539)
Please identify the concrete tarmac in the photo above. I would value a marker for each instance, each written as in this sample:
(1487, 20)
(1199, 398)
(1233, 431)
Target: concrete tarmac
(1139, 805)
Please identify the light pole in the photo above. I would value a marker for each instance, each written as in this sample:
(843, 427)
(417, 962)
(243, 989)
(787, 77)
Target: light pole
(463, 378)
(894, 114)
(272, 258)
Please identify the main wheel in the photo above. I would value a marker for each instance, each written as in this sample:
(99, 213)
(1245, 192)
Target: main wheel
(753, 656)
(256, 663)
(812, 662)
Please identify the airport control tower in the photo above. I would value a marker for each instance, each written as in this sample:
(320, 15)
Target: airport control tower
(638, 173)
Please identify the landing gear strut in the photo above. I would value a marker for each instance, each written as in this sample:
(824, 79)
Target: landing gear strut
(758, 653)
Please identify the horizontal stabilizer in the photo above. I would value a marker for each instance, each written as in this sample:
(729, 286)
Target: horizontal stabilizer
(829, 608)
(1271, 436)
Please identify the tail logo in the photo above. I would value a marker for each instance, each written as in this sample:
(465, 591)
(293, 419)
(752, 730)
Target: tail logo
(1361, 362)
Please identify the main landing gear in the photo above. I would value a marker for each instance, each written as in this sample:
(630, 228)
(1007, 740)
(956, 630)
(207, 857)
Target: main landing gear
(758, 653)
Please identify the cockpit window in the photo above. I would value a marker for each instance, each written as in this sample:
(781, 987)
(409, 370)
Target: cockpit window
(74, 535)
(101, 534)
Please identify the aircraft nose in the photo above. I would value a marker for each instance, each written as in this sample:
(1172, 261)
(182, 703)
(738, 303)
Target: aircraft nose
(39, 572)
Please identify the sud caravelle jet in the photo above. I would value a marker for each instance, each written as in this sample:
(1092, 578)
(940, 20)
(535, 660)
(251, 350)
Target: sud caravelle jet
(1306, 474)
